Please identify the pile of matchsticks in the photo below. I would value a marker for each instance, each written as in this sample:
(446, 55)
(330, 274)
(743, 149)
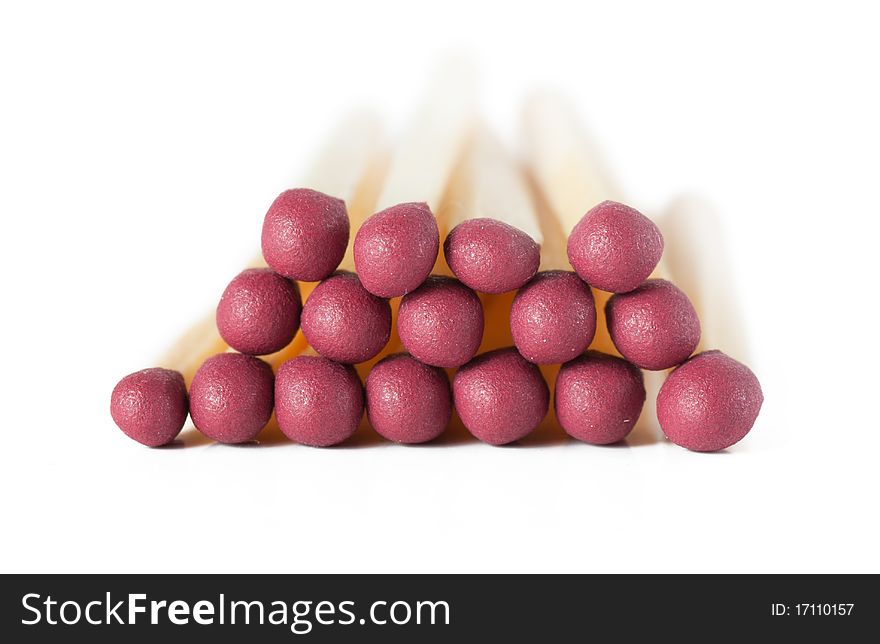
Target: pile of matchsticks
(432, 283)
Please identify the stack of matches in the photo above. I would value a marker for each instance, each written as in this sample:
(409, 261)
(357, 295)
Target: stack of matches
(457, 294)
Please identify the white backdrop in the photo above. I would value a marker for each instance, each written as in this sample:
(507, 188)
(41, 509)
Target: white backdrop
(141, 146)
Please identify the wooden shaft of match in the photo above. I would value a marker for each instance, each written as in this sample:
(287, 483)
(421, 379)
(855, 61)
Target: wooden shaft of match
(697, 261)
(345, 168)
(571, 179)
(563, 159)
(569, 175)
(423, 164)
(495, 187)
(489, 182)
(353, 161)
(191, 348)
(349, 166)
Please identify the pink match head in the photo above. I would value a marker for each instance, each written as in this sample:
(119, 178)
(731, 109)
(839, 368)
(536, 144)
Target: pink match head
(491, 256)
(305, 234)
(259, 312)
(231, 397)
(441, 322)
(318, 402)
(553, 318)
(598, 398)
(344, 322)
(614, 247)
(395, 249)
(150, 406)
(655, 326)
(408, 401)
(500, 396)
(709, 403)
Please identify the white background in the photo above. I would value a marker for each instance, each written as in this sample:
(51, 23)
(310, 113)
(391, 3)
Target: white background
(140, 147)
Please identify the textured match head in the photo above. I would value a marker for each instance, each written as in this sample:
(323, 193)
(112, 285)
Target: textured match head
(344, 322)
(259, 312)
(318, 402)
(305, 234)
(441, 322)
(614, 247)
(553, 317)
(491, 256)
(231, 397)
(500, 396)
(408, 401)
(150, 406)
(395, 249)
(709, 403)
(598, 398)
(655, 326)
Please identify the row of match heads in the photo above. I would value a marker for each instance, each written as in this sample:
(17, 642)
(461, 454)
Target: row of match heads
(708, 403)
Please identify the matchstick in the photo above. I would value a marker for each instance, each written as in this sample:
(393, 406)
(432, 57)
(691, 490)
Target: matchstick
(489, 183)
(571, 180)
(698, 262)
(422, 164)
(493, 186)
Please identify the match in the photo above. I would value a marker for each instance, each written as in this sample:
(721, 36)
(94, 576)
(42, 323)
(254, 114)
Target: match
(548, 287)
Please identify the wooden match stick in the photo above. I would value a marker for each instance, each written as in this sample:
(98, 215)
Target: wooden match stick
(571, 179)
(489, 183)
(422, 163)
(698, 262)
(432, 144)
